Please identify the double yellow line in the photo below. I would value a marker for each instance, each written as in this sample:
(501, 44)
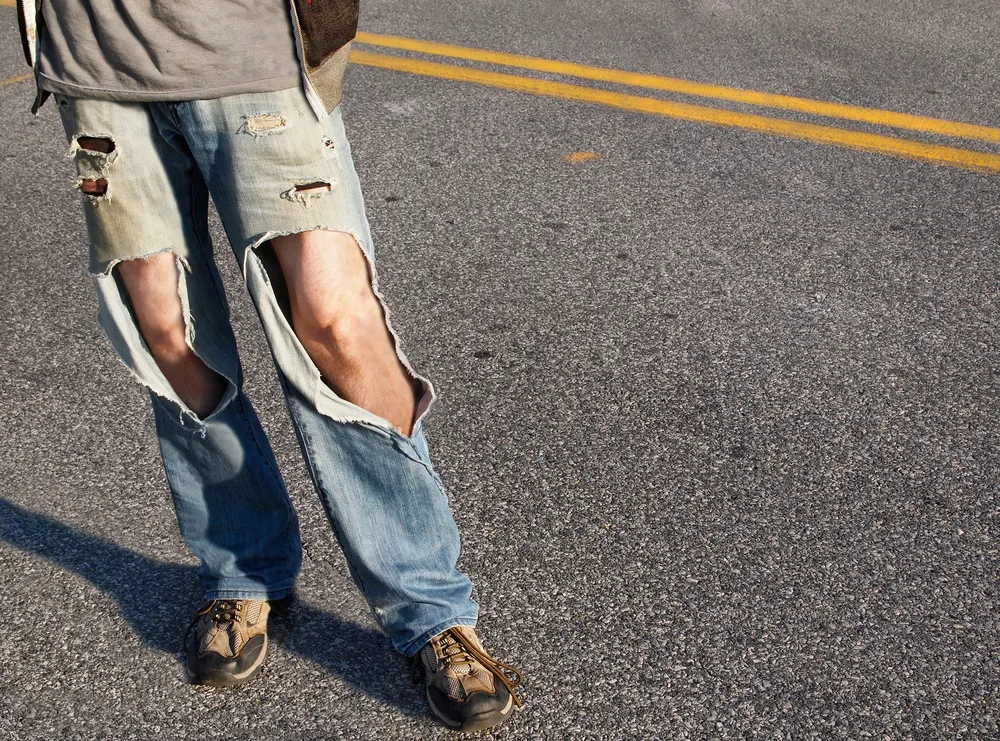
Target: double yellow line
(969, 159)
(954, 156)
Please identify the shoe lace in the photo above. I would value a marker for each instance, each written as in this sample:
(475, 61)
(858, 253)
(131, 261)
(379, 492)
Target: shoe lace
(467, 653)
(224, 611)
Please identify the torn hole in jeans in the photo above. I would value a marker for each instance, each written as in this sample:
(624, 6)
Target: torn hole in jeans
(305, 193)
(99, 144)
(275, 281)
(96, 188)
(263, 124)
(94, 155)
(136, 353)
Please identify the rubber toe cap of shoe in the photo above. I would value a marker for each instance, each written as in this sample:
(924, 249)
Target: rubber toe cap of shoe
(480, 710)
(214, 668)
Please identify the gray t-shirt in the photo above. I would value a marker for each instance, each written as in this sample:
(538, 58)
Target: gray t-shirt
(166, 49)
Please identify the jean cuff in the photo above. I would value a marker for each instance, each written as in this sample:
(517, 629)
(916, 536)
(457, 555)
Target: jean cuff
(274, 593)
(412, 648)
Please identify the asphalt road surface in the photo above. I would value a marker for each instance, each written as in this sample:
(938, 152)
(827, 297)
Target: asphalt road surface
(719, 403)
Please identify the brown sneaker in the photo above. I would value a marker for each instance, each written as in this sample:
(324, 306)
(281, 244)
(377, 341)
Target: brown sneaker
(227, 642)
(467, 688)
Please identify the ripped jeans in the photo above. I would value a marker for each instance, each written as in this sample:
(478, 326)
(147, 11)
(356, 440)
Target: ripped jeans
(266, 161)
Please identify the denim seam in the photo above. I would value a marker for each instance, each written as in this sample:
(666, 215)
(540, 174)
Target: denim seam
(433, 474)
(275, 473)
(202, 246)
(290, 513)
(306, 448)
(171, 109)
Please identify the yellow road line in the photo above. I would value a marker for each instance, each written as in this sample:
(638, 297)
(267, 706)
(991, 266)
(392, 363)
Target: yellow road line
(967, 159)
(955, 157)
(14, 80)
(8, 3)
(687, 87)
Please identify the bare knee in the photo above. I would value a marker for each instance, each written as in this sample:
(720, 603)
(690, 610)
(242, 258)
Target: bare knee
(330, 288)
(340, 322)
(152, 286)
(166, 340)
(345, 328)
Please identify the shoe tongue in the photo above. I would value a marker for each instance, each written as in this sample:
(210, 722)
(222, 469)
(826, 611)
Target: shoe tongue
(452, 648)
(446, 645)
(236, 638)
(223, 637)
(224, 640)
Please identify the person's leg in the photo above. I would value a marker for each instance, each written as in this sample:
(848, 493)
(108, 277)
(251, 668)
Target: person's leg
(162, 305)
(151, 287)
(355, 402)
(339, 321)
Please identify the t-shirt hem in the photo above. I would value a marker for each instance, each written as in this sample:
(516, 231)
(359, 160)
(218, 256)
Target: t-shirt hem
(269, 85)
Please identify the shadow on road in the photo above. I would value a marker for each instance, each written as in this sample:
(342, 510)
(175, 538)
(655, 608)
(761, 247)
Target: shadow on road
(152, 596)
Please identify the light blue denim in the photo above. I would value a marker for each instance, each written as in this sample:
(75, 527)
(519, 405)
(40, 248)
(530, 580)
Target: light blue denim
(383, 498)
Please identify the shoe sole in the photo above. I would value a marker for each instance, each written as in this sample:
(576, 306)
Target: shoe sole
(228, 679)
(475, 722)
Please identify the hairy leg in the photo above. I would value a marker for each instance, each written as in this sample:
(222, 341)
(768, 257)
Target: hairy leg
(151, 284)
(340, 323)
